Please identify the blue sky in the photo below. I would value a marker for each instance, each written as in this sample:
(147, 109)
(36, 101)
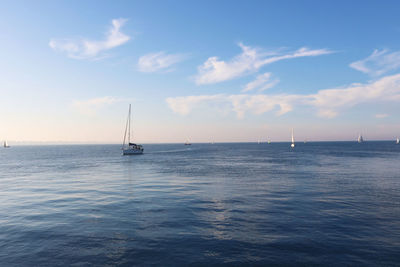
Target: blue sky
(204, 71)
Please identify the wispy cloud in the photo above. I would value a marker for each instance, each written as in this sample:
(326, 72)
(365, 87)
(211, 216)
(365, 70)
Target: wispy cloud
(249, 61)
(378, 63)
(240, 104)
(381, 116)
(262, 83)
(327, 102)
(330, 101)
(159, 61)
(88, 49)
(90, 106)
(184, 104)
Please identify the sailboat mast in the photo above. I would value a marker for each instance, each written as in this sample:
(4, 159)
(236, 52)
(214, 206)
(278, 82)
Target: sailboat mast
(292, 137)
(126, 127)
(129, 133)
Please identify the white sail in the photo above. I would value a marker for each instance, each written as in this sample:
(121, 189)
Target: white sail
(360, 139)
(397, 140)
(5, 144)
(292, 145)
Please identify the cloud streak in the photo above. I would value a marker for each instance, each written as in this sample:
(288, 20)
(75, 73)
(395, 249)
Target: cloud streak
(154, 62)
(90, 49)
(262, 83)
(381, 116)
(250, 60)
(90, 106)
(378, 63)
(327, 102)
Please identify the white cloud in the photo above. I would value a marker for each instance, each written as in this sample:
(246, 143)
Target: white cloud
(327, 102)
(381, 116)
(158, 61)
(378, 63)
(258, 104)
(330, 101)
(240, 104)
(262, 82)
(90, 106)
(250, 60)
(85, 49)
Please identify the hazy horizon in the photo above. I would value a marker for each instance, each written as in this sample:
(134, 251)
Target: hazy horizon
(22, 143)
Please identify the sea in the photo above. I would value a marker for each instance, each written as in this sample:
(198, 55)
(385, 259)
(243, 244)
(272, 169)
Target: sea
(228, 204)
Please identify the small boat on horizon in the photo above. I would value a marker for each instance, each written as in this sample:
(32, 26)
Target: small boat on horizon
(397, 141)
(130, 148)
(5, 145)
(292, 145)
(360, 138)
(187, 143)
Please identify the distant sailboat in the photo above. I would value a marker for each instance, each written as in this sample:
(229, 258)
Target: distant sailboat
(187, 143)
(269, 142)
(360, 139)
(397, 141)
(292, 145)
(5, 144)
(130, 148)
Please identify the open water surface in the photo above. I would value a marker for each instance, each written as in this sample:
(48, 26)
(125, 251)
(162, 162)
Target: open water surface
(328, 203)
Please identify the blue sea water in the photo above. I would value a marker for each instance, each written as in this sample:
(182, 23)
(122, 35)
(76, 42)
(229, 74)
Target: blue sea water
(327, 203)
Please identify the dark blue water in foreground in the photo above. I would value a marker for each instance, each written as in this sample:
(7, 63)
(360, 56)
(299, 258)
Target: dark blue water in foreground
(223, 204)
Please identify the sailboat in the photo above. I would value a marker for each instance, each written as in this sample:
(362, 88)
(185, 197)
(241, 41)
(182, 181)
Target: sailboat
(292, 145)
(5, 144)
(130, 148)
(187, 143)
(360, 139)
(397, 141)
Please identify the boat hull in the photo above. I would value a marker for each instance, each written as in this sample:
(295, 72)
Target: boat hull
(132, 152)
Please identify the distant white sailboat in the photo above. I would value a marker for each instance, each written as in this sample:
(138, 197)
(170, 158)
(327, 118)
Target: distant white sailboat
(292, 145)
(187, 143)
(130, 148)
(5, 144)
(397, 141)
(360, 138)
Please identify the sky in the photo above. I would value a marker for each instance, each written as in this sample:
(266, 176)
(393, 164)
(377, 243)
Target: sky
(221, 71)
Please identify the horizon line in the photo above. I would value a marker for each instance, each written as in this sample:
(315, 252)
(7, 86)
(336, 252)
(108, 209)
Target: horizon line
(22, 143)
